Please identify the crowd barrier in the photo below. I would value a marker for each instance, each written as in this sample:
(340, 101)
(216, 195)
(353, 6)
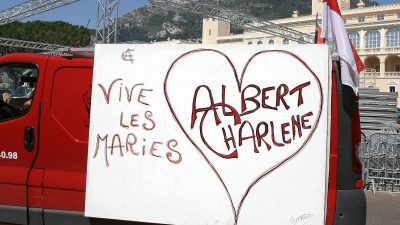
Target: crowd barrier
(379, 153)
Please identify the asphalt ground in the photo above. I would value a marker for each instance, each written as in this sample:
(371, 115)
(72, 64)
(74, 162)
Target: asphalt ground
(383, 208)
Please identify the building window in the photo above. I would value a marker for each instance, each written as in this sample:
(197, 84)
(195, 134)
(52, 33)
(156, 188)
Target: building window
(397, 68)
(361, 19)
(249, 43)
(209, 32)
(393, 37)
(392, 88)
(301, 40)
(373, 39)
(259, 42)
(380, 17)
(285, 41)
(377, 67)
(271, 42)
(398, 15)
(355, 39)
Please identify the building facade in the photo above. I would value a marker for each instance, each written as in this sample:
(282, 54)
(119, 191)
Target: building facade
(374, 31)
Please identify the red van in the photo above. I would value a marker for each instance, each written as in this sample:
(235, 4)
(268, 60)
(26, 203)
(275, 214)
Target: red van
(44, 127)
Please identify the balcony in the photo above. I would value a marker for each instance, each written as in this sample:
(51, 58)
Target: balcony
(373, 75)
(392, 74)
(374, 51)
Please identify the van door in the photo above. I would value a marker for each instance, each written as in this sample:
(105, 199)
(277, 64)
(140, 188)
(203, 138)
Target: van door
(21, 77)
(64, 138)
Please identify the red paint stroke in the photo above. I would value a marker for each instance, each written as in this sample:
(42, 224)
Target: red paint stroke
(106, 93)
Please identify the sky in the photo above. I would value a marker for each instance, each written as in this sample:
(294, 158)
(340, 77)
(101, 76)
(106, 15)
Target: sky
(84, 12)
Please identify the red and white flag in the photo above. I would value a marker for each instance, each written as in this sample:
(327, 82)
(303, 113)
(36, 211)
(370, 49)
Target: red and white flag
(320, 40)
(333, 29)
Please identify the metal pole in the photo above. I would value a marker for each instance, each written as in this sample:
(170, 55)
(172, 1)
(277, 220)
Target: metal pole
(116, 23)
(105, 37)
(97, 21)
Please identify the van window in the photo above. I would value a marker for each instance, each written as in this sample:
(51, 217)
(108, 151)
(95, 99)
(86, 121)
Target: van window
(70, 107)
(17, 88)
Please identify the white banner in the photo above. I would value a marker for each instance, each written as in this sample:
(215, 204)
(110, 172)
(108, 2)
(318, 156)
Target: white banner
(219, 134)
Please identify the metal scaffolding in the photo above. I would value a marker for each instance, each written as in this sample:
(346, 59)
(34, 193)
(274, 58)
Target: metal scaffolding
(30, 8)
(29, 44)
(211, 9)
(106, 22)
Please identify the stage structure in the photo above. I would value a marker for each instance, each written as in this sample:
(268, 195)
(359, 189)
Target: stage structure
(30, 8)
(107, 21)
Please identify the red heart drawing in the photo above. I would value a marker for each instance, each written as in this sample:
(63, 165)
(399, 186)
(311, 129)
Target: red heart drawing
(240, 161)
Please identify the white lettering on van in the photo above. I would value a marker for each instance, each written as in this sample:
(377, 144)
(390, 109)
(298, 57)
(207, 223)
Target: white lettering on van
(8, 155)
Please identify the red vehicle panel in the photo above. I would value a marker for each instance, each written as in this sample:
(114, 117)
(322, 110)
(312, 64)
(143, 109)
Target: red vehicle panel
(65, 118)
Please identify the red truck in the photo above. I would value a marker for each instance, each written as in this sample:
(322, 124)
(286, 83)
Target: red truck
(44, 127)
